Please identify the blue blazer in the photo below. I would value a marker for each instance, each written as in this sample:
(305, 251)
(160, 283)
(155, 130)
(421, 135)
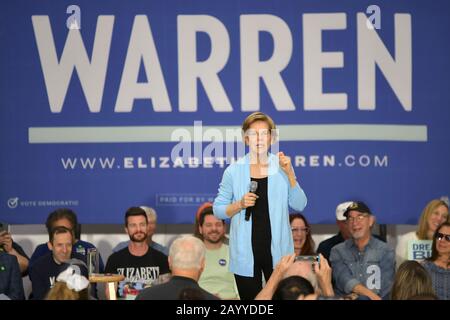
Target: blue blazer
(235, 183)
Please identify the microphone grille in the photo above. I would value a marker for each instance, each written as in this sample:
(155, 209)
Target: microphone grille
(253, 186)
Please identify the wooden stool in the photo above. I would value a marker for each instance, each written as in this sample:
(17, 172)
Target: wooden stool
(109, 279)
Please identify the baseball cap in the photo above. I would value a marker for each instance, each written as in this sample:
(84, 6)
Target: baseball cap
(340, 209)
(357, 206)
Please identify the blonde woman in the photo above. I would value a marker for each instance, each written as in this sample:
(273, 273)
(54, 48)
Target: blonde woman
(260, 233)
(434, 214)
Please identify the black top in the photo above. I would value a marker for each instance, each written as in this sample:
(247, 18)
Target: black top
(139, 271)
(328, 244)
(173, 289)
(261, 232)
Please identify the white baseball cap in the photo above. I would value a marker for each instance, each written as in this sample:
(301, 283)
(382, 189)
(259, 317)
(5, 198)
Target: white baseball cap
(340, 209)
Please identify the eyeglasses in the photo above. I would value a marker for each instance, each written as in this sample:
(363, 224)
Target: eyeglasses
(300, 230)
(358, 218)
(441, 236)
(261, 133)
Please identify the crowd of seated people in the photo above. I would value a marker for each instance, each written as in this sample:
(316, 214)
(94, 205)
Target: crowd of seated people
(353, 264)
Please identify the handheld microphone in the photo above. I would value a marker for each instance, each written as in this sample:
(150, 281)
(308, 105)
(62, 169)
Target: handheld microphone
(253, 188)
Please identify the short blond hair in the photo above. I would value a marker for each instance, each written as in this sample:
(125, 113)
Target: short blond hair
(258, 116)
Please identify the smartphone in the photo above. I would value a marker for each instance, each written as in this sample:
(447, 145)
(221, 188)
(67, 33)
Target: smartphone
(4, 227)
(308, 258)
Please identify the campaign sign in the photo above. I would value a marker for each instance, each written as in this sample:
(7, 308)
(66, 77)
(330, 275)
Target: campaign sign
(106, 105)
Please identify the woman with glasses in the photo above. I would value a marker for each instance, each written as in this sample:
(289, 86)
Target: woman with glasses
(438, 265)
(301, 234)
(434, 214)
(256, 193)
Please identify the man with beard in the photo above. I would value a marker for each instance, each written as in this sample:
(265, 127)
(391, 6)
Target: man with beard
(138, 262)
(151, 228)
(216, 278)
(362, 264)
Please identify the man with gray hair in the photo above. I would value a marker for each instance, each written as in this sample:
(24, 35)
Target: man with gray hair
(186, 261)
(151, 228)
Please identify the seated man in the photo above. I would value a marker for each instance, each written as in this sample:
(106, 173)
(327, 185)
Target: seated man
(187, 261)
(363, 264)
(216, 278)
(46, 268)
(341, 221)
(10, 279)
(151, 225)
(65, 218)
(138, 262)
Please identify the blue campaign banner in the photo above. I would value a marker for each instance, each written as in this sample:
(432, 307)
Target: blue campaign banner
(110, 104)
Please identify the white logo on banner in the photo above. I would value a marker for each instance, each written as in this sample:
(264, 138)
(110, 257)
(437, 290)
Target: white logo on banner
(13, 202)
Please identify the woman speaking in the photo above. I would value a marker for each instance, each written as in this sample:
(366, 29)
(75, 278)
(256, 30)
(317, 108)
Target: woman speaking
(256, 193)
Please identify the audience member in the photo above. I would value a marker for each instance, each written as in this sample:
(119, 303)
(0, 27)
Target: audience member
(291, 288)
(10, 279)
(200, 209)
(362, 264)
(46, 268)
(215, 278)
(277, 275)
(411, 279)
(319, 274)
(434, 214)
(151, 229)
(343, 234)
(187, 261)
(438, 265)
(11, 247)
(301, 234)
(68, 219)
(138, 262)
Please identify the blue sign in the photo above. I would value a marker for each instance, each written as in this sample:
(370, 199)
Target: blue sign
(106, 105)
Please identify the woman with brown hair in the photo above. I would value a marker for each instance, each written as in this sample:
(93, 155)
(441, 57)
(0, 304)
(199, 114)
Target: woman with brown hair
(301, 234)
(438, 265)
(411, 279)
